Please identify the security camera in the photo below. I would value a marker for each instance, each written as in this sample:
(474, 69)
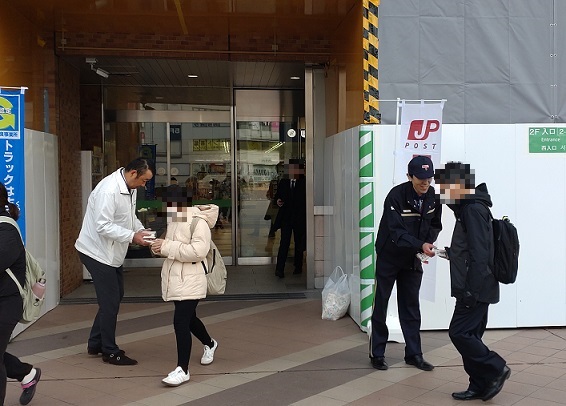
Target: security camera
(102, 72)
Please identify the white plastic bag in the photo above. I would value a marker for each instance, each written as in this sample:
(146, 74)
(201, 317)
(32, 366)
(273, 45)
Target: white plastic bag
(335, 295)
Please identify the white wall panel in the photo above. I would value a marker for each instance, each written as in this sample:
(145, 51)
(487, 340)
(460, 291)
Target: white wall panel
(42, 210)
(530, 188)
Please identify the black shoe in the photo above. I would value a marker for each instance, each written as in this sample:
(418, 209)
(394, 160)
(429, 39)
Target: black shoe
(94, 350)
(118, 358)
(497, 384)
(419, 362)
(379, 363)
(281, 275)
(467, 395)
(29, 388)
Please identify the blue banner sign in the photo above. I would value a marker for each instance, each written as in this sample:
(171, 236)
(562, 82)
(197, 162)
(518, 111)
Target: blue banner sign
(12, 173)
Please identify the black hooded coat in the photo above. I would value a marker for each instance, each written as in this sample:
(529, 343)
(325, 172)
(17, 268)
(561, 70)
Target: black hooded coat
(471, 250)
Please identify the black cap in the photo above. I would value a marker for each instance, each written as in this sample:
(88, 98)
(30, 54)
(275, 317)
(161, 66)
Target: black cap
(421, 167)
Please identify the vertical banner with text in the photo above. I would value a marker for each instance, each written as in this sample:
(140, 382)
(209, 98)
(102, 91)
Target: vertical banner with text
(420, 134)
(12, 173)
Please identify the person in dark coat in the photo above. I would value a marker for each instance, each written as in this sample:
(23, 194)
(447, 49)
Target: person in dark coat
(409, 226)
(292, 216)
(472, 283)
(13, 256)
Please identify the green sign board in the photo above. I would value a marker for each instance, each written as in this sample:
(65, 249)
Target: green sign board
(547, 140)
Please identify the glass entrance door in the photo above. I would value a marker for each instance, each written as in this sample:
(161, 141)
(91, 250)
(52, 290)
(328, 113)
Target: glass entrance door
(263, 148)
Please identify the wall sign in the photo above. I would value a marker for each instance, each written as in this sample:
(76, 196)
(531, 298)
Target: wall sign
(12, 173)
(547, 140)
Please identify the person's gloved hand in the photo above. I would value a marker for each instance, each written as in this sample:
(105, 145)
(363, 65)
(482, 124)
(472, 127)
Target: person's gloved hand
(469, 300)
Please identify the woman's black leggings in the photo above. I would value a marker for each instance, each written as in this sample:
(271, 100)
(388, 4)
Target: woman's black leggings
(185, 321)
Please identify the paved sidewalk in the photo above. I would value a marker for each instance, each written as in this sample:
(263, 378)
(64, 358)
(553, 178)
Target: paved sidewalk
(271, 352)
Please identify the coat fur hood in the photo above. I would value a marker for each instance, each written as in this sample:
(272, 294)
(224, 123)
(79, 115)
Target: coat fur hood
(208, 212)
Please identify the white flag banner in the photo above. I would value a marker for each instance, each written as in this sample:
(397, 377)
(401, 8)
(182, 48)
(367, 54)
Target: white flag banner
(420, 133)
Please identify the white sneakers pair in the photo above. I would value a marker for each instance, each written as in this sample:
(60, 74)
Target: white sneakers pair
(178, 376)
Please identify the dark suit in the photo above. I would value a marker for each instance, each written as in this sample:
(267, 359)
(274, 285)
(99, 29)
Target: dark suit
(292, 218)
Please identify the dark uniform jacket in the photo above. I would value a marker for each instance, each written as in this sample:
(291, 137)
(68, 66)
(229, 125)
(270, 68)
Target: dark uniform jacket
(471, 250)
(403, 229)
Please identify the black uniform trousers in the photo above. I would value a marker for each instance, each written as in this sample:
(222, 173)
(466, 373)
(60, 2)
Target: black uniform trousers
(11, 308)
(466, 331)
(408, 285)
(109, 287)
(299, 232)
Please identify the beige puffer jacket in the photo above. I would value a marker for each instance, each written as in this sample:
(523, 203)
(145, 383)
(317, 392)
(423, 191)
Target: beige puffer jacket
(182, 274)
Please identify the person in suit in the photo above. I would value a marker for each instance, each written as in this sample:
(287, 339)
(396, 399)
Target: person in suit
(292, 216)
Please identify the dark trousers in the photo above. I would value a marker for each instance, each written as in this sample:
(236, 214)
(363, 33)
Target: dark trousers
(185, 321)
(408, 286)
(11, 308)
(298, 231)
(466, 331)
(109, 287)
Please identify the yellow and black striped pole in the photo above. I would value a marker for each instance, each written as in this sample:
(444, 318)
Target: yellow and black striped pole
(371, 44)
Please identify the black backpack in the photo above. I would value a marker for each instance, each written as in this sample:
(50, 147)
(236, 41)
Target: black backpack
(506, 250)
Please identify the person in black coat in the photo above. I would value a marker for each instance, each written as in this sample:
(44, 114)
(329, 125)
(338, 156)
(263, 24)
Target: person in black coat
(292, 215)
(409, 226)
(472, 283)
(13, 256)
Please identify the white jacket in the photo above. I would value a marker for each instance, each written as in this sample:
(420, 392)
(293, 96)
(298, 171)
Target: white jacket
(182, 274)
(110, 221)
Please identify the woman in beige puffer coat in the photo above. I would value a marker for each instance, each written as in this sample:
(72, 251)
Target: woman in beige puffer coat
(183, 281)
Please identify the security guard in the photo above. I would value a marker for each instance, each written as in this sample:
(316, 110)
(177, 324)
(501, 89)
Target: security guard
(409, 226)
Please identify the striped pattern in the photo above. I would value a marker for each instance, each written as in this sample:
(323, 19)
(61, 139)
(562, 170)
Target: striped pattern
(371, 45)
(270, 352)
(367, 225)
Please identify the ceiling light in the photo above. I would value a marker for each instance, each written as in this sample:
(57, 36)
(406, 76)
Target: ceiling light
(295, 77)
(192, 76)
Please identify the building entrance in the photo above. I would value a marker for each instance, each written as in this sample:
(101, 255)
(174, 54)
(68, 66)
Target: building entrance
(221, 155)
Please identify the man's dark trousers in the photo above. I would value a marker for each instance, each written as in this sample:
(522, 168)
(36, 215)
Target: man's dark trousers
(408, 285)
(298, 231)
(109, 286)
(466, 330)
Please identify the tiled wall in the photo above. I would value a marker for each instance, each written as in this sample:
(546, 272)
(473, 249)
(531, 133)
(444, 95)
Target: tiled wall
(259, 47)
(69, 132)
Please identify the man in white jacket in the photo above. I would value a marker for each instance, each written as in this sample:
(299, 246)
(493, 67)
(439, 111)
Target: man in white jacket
(109, 226)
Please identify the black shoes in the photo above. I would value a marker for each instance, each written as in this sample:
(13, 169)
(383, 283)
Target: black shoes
(118, 358)
(281, 275)
(467, 395)
(497, 384)
(379, 363)
(29, 388)
(492, 389)
(419, 362)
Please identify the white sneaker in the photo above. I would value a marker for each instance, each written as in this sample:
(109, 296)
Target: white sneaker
(208, 355)
(177, 377)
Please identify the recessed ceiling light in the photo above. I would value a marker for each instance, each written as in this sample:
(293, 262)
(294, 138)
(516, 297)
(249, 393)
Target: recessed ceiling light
(158, 97)
(192, 76)
(295, 77)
